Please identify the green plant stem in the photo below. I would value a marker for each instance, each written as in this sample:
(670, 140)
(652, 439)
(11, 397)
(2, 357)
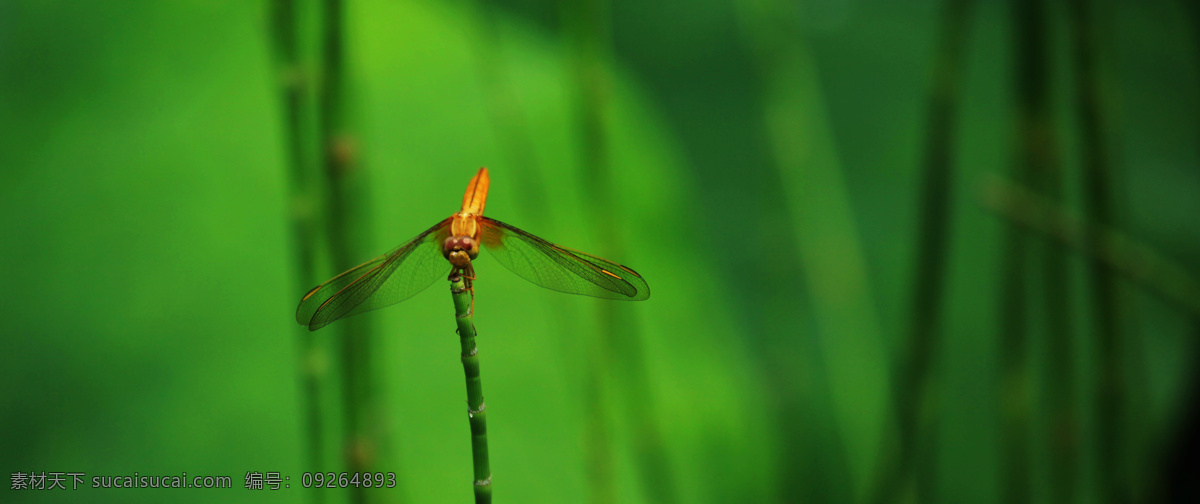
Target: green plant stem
(1030, 157)
(348, 222)
(616, 349)
(834, 450)
(1106, 310)
(586, 29)
(1121, 255)
(1014, 386)
(285, 33)
(1038, 163)
(913, 454)
(464, 299)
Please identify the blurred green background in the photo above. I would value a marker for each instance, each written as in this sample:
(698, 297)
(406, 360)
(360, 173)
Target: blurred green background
(175, 175)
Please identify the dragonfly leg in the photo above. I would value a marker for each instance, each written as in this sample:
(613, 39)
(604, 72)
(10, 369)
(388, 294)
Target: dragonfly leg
(457, 273)
(468, 276)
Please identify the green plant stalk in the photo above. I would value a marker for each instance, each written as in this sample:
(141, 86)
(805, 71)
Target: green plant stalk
(285, 32)
(348, 223)
(464, 316)
(1038, 163)
(1014, 386)
(830, 262)
(1029, 42)
(587, 31)
(614, 353)
(1097, 193)
(913, 456)
(1133, 260)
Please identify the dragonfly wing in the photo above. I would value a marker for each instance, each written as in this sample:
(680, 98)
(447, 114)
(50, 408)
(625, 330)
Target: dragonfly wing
(382, 281)
(559, 268)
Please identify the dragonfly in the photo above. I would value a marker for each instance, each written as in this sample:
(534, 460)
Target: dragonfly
(448, 249)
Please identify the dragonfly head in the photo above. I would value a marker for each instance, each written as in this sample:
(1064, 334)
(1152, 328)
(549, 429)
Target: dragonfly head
(460, 250)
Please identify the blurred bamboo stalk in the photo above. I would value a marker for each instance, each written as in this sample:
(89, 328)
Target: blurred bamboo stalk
(821, 215)
(348, 225)
(913, 402)
(1032, 162)
(1038, 151)
(1102, 246)
(1014, 374)
(1097, 195)
(294, 89)
(587, 27)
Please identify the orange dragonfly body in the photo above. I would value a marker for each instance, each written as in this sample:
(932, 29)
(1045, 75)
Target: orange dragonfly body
(450, 246)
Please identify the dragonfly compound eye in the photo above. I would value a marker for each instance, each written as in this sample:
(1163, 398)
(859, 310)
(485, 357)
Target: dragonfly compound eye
(450, 245)
(470, 246)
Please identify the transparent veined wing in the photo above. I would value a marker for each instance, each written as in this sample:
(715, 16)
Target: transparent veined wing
(382, 281)
(559, 268)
